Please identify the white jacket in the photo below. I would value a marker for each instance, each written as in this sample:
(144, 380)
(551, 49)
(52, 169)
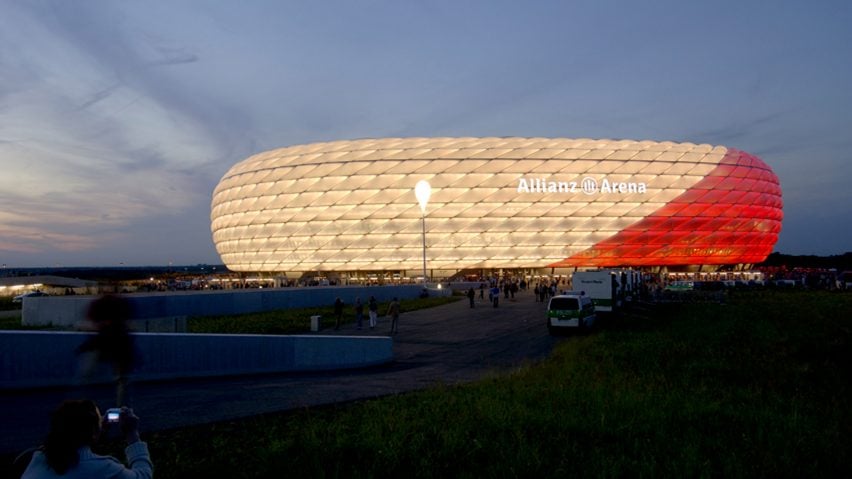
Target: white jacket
(94, 466)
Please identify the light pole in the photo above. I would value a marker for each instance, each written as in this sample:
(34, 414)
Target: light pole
(422, 191)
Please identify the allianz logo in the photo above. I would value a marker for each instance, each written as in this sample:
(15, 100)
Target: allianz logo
(587, 185)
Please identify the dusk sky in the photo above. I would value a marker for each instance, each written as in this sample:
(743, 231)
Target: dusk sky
(118, 118)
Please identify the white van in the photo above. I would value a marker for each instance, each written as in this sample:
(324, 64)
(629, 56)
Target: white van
(572, 310)
(603, 287)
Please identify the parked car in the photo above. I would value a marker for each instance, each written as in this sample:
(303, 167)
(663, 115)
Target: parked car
(31, 294)
(576, 311)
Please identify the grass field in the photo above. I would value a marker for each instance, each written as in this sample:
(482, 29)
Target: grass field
(10, 323)
(296, 320)
(6, 304)
(756, 387)
(272, 322)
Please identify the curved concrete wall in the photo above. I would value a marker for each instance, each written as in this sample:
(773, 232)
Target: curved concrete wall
(47, 358)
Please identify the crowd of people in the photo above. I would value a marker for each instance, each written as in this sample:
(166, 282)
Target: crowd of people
(392, 313)
(508, 287)
(810, 278)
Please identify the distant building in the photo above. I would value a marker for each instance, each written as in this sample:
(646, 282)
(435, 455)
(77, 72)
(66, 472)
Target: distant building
(495, 203)
(15, 285)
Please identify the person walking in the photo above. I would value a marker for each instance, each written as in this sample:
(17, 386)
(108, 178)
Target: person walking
(112, 344)
(373, 308)
(393, 312)
(338, 312)
(471, 295)
(359, 312)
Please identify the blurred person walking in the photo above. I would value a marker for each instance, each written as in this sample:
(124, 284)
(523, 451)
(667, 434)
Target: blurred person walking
(112, 344)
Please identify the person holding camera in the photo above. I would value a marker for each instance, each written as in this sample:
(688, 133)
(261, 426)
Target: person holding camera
(67, 452)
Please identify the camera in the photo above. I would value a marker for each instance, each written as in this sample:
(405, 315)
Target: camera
(113, 414)
(111, 428)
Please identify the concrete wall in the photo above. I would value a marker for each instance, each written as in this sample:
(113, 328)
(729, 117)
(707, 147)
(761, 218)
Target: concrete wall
(47, 358)
(70, 311)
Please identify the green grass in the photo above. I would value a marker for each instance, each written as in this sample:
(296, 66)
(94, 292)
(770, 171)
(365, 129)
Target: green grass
(294, 320)
(759, 387)
(6, 304)
(14, 324)
(273, 322)
(10, 323)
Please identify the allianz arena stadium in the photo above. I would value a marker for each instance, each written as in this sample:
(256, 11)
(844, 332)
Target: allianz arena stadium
(495, 203)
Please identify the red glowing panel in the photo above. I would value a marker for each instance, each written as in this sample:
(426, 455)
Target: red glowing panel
(733, 215)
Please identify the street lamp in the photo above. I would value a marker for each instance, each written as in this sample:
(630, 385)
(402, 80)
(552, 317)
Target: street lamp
(422, 191)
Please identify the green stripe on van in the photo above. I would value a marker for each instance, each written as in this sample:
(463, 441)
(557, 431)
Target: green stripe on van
(561, 315)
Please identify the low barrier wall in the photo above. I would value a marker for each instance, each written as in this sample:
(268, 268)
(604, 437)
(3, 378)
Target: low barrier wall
(70, 311)
(47, 358)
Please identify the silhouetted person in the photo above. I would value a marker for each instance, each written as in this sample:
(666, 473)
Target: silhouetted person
(393, 312)
(359, 312)
(338, 312)
(373, 307)
(112, 344)
(471, 295)
(67, 452)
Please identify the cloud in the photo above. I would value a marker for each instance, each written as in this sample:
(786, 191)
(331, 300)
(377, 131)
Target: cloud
(117, 118)
(732, 132)
(94, 135)
(98, 96)
(174, 56)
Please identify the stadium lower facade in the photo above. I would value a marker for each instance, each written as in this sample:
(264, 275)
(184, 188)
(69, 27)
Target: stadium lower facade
(496, 203)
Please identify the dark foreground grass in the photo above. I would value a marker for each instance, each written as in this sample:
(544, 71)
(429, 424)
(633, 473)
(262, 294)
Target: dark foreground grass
(759, 387)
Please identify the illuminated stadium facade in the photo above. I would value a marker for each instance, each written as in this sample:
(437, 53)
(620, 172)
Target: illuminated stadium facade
(496, 203)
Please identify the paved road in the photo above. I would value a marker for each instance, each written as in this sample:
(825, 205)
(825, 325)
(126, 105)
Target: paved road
(447, 344)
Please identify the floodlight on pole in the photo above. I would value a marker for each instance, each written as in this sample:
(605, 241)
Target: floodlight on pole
(423, 191)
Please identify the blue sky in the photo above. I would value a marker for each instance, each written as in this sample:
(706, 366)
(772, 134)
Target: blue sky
(118, 118)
